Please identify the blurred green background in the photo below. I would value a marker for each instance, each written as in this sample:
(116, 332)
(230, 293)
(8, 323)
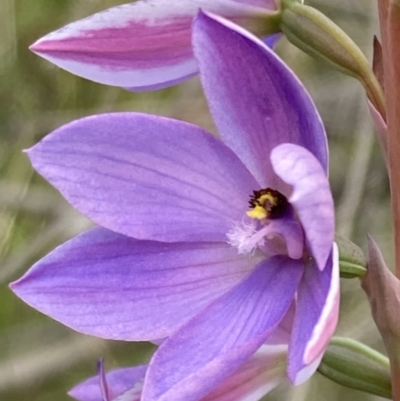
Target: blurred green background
(39, 358)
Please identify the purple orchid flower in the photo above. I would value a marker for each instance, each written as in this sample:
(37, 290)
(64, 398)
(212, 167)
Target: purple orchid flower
(211, 243)
(145, 45)
(256, 377)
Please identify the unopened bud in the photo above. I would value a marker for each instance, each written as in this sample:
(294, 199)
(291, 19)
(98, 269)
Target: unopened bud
(354, 365)
(352, 262)
(315, 34)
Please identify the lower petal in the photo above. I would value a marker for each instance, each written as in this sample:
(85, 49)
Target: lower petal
(211, 346)
(317, 312)
(111, 286)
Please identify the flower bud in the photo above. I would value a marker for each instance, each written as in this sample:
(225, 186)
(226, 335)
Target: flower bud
(315, 34)
(357, 366)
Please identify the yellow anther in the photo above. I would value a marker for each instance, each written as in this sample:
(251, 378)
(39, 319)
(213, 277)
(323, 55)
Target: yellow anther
(268, 197)
(268, 204)
(258, 212)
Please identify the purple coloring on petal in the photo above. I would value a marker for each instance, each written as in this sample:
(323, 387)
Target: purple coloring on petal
(256, 377)
(281, 335)
(146, 177)
(261, 373)
(311, 196)
(316, 317)
(111, 286)
(211, 346)
(141, 45)
(291, 231)
(255, 99)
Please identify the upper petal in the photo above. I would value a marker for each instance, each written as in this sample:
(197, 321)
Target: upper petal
(255, 99)
(118, 381)
(146, 177)
(316, 317)
(311, 196)
(141, 45)
(212, 345)
(111, 286)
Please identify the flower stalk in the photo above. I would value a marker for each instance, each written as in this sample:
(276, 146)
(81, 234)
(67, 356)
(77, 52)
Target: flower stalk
(390, 23)
(389, 16)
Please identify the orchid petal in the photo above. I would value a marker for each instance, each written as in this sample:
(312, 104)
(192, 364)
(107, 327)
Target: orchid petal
(258, 110)
(146, 177)
(141, 45)
(212, 345)
(316, 318)
(255, 378)
(311, 196)
(112, 286)
(281, 335)
(118, 381)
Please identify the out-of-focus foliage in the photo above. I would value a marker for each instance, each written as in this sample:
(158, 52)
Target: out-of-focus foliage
(39, 358)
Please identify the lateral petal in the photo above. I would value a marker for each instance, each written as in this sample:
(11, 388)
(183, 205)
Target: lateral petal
(258, 107)
(316, 318)
(111, 286)
(211, 346)
(311, 196)
(141, 45)
(146, 177)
